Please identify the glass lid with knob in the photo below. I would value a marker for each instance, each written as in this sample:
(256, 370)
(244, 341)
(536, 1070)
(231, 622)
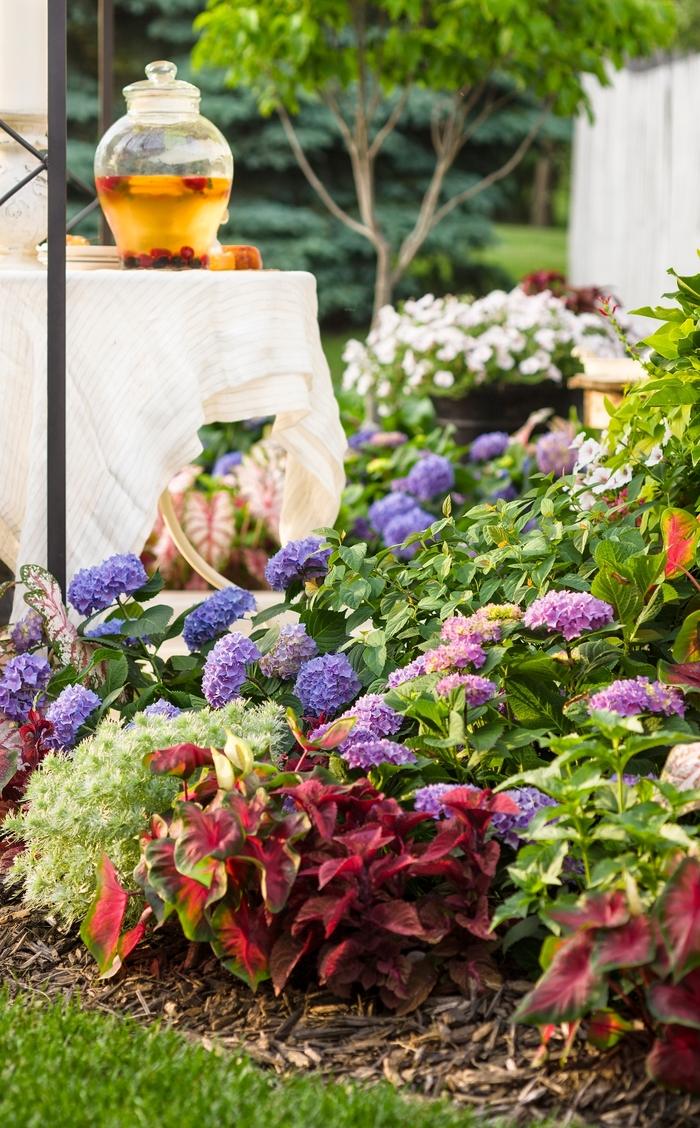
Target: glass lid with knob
(163, 174)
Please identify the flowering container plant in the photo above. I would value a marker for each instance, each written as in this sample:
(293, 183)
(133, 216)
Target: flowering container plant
(499, 357)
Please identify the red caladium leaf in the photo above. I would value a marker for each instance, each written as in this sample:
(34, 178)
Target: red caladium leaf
(678, 911)
(569, 987)
(328, 910)
(10, 752)
(209, 522)
(630, 945)
(366, 841)
(686, 648)
(286, 953)
(180, 760)
(206, 838)
(605, 910)
(279, 865)
(681, 673)
(242, 939)
(43, 595)
(397, 916)
(605, 1028)
(338, 964)
(475, 808)
(320, 801)
(189, 898)
(421, 980)
(680, 532)
(674, 1061)
(101, 930)
(337, 867)
(677, 1003)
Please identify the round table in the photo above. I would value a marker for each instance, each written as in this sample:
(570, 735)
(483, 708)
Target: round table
(152, 356)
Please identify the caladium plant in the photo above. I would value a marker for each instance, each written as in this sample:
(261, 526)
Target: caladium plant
(647, 964)
(22, 748)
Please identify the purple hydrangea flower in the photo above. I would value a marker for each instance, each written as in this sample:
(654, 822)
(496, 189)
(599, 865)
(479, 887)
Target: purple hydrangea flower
(298, 560)
(225, 668)
(477, 691)
(429, 799)
(506, 492)
(27, 633)
(68, 713)
(162, 708)
(511, 829)
(362, 530)
(630, 696)
(325, 684)
(463, 652)
(490, 445)
(22, 679)
(384, 510)
(554, 454)
(374, 719)
(415, 520)
(292, 648)
(568, 612)
(430, 476)
(214, 617)
(106, 629)
(485, 625)
(362, 437)
(95, 589)
(370, 753)
(414, 669)
(226, 463)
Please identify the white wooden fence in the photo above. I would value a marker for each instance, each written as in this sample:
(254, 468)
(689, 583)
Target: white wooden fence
(635, 206)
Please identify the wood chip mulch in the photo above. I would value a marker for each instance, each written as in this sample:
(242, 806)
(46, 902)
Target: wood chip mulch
(465, 1049)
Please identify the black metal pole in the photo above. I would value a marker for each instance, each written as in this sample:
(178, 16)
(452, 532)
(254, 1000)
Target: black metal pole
(56, 296)
(105, 32)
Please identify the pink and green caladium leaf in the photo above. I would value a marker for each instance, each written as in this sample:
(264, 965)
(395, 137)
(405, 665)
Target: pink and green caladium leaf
(209, 522)
(630, 945)
(101, 931)
(686, 648)
(674, 1061)
(43, 595)
(569, 988)
(681, 673)
(206, 838)
(181, 760)
(605, 910)
(189, 898)
(677, 1003)
(606, 1028)
(335, 734)
(680, 532)
(277, 861)
(242, 939)
(678, 913)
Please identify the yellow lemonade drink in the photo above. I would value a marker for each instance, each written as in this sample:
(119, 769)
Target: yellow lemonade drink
(164, 221)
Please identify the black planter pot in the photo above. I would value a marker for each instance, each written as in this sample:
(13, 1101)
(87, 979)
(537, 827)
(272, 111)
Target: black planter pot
(502, 407)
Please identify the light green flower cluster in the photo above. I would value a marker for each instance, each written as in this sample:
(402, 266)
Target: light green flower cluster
(100, 800)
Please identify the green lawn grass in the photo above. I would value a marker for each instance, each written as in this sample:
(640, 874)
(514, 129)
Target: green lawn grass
(519, 249)
(61, 1067)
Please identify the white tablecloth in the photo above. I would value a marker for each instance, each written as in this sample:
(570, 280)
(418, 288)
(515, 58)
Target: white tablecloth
(151, 357)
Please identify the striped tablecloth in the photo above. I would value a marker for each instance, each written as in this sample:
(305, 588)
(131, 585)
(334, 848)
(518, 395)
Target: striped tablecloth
(152, 357)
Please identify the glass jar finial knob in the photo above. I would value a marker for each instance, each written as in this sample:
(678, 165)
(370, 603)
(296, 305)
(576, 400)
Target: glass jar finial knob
(161, 73)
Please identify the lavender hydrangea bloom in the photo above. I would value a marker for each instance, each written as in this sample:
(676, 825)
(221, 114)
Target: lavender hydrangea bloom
(297, 560)
(396, 531)
(27, 633)
(95, 589)
(214, 617)
(162, 708)
(429, 799)
(68, 713)
(506, 492)
(362, 437)
(490, 445)
(362, 530)
(477, 691)
(512, 828)
(414, 669)
(22, 679)
(554, 454)
(325, 684)
(292, 648)
(428, 477)
(225, 668)
(374, 719)
(384, 510)
(370, 753)
(105, 630)
(226, 463)
(569, 612)
(630, 696)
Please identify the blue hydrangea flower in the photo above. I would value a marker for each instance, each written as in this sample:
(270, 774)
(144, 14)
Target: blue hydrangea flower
(512, 829)
(490, 445)
(554, 453)
(27, 633)
(162, 708)
(225, 669)
(431, 476)
(298, 560)
(414, 669)
(226, 463)
(366, 754)
(95, 589)
(568, 612)
(384, 510)
(362, 437)
(631, 696)
(105, 630)
(374, 719)
(362, 530)
(215, 615)
(292, 648)
(396, 531)
(68, 713)
(325, 684)
(429, 799)
(23, 678)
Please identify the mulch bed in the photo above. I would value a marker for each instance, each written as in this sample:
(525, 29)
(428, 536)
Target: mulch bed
(462, 1048)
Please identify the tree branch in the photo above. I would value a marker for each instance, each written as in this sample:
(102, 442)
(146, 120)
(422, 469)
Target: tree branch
(315, 181)
(390, 123)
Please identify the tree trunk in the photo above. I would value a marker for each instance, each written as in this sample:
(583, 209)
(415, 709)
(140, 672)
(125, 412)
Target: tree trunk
(541, 208)
(383, 284)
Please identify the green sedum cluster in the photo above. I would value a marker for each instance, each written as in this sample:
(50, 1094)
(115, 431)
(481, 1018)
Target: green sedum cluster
(102, 798)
